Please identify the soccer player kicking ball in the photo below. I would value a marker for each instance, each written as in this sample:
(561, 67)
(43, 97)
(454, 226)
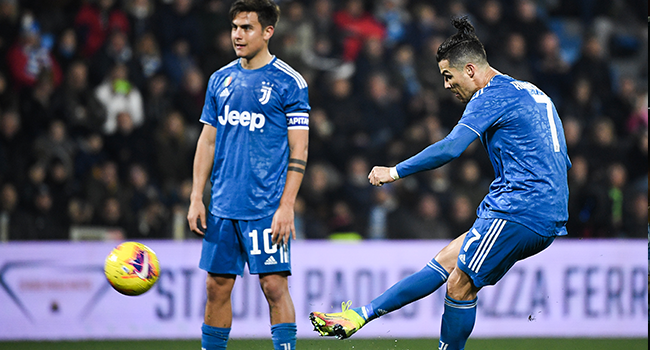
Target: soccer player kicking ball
(525, 209)
(253, 148)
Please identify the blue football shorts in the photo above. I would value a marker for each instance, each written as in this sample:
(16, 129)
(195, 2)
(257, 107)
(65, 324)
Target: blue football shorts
(492, 246)
(229, 244)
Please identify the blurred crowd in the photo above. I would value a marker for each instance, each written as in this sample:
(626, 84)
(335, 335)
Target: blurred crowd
(100, 102)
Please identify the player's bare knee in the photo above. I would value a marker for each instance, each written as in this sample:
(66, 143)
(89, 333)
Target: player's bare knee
(218, 288)
(274, 287)
(460, 286)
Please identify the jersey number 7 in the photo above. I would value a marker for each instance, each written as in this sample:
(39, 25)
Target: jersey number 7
(543, 99)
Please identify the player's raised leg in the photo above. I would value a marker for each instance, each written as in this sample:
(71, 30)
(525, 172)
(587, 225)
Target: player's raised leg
(414, 287)
(218, 312)
(281, 310)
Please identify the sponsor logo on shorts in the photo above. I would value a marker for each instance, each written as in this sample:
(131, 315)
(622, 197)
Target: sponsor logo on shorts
(270, 261)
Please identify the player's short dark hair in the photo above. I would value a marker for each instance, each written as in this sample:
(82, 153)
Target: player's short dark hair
(268, 12)
(462, 47)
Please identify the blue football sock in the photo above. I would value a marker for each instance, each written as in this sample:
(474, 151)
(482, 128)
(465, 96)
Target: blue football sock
(406, 291)
(214, 338)
(457, 323)
(284, 336)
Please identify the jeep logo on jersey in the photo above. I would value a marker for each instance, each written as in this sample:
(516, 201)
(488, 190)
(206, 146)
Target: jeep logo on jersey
(266, 93)
(251, 120)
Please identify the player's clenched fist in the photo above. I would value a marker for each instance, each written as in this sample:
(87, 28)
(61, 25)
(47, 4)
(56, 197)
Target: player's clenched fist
(380, 175)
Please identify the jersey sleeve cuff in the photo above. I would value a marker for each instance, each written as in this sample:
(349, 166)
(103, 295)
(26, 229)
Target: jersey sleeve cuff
(393, 173)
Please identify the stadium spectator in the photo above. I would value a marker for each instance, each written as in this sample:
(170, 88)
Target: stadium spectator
(384, 203)
(80, 212)
(356, 193)
(62, 187)
(550, 69)
(111, 216)
(615, 196)
(527, 22)
(90, 156)
(159, 100)
(13, 146)
(637, 149)
(117, 94)
(95, 20)
(140, 14)
(636, 215)
(128, 145)
(344, 111)
(583, 103)
(357, 26)
(102, 184)
(8, 98)
(148, 56)
(318, 191)
(9, 27)
(581, 199)
(154, 221)
(66, 50)
(294, 36)
(179, 22)
(514, 62)
(405, 71)
(573, 132)
(145, 207)
(379, 107)
(28, 59)
(428, 73)
(42, 221)
(177, 61)
(10, 215)
(395, 18)
(218, 53)
(191, 96)
(37, 106)
(56, 145)
(492, 26)
(469, 182)
(372, 58)
(212, 16)
(594, 66)
(76, 103)
(604, 148)
(116, 51)
(174, 145)
(462, 213)
(426, 24)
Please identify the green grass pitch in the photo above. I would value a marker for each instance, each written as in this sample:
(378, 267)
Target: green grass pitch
(333, 344)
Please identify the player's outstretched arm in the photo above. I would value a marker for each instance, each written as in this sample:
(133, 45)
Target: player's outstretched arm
(203, 160)
(434, 156)
(282, 227)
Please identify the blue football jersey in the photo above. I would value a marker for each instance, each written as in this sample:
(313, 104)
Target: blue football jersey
(252, 111)
(524, 138)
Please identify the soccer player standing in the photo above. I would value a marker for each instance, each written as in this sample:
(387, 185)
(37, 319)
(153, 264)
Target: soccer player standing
(525, 209)
(253, 149)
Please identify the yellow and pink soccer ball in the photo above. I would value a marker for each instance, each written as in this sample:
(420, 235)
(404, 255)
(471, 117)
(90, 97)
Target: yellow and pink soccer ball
(132, 268)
